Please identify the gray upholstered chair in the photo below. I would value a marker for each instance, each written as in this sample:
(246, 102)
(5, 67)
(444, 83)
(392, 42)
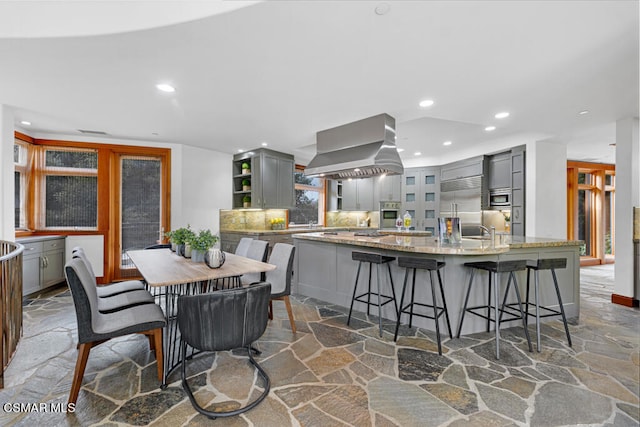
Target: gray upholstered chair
(220, 321)
(94, 327)
(113, 288)
(258, 250)
(130, 297)
(243, 246)
(282, 257)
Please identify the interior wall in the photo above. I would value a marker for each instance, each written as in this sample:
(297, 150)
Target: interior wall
(7, 213)
(627, 196)
(546, 190)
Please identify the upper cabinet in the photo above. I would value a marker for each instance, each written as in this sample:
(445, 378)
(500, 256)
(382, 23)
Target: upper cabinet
(263, 179)
(500, 171)
(386, 188)
(463, 169)
(421, 197)
(357, 194)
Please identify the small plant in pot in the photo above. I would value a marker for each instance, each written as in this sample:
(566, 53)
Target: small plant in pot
(201, 243)
(246, 202)
(246, 169)
(246, 185)
(181, 237)
(169, 236)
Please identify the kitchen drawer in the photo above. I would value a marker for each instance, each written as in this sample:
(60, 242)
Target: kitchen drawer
(50, 245)
(32, 248)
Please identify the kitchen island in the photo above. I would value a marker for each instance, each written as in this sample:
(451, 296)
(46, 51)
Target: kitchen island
(324, 270)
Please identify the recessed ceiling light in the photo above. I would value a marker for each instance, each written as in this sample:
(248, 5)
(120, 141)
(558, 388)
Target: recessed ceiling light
(26, 123)
(490, 128)
(502, 115)
(356, 170)
(240, 150)
(164, 87)
(583, 112)
(426, 103)
(446, 143)
(264, 144)
(417, 153)
(399, 150)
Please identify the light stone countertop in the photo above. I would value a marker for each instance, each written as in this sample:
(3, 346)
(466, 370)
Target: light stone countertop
(329, 229)
(429, 245)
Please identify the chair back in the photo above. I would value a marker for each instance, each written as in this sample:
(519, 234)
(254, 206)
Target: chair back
(85, 298)
(159, 246)
(243, 246)
(224, 320)
(280, 278)
(79, 253)
(258, 250)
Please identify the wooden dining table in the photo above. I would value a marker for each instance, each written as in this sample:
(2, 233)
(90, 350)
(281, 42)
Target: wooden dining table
(169, 275)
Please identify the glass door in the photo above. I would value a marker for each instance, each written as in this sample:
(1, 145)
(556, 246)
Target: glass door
(141, 216)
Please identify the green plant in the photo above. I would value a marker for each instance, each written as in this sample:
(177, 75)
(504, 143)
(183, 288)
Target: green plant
(169, 235)
(246, 182)
(182, 235)
(246, 199)
(203, 240)
(245, 166)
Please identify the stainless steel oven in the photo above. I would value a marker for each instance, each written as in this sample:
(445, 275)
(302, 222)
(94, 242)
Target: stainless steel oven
(389, 211)
(500, 198)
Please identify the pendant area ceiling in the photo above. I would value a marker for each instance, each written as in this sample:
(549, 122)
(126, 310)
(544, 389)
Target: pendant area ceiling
(279, 71)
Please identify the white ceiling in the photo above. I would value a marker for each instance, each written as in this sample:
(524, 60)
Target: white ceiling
(279, 71)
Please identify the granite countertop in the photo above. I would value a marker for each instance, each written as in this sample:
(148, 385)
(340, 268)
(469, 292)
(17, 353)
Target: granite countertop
(29, 239)
(422, 244)
(330, 229)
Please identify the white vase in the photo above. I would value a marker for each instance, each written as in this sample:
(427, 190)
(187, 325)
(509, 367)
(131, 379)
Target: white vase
(187, 250)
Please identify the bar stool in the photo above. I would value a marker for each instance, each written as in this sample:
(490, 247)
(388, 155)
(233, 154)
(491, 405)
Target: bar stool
(371, 259)
(494, 268)
(536, 266)
(430, 265)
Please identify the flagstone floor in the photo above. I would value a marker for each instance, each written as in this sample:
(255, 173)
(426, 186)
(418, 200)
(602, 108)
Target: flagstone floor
(329, 374)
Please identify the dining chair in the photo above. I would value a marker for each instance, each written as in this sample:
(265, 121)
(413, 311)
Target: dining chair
(95, 327)
(243, 246)
(117, 301)
(221, 321)
(258, 250)
(280, 279)
(112, 288)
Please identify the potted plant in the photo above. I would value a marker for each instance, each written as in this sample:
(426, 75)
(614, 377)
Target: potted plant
(246, 185)
(169, 236)
(277, 223)
(246, 169)
(181, 237)
(246, 201)
(201, 243)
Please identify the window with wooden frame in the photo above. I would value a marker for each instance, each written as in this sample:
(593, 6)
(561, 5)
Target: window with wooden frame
(310, 199)
(21, 183)
(590, 210)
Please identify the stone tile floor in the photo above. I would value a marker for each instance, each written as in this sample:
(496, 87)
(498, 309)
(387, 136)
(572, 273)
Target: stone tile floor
(329, 374)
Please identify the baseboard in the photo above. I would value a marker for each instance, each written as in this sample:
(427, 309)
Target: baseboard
(623, 300)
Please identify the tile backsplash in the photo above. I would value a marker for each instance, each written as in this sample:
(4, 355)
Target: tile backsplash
(259, 219)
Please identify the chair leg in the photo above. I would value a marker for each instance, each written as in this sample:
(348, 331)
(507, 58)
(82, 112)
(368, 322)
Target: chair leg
(270, 310)
(466, 302)
(564, 317)
(287, 303)
(81, 364)
(157, 338)
(151, 342)
(355, 288)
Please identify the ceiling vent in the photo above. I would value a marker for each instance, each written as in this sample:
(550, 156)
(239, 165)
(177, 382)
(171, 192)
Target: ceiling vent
(92, 132)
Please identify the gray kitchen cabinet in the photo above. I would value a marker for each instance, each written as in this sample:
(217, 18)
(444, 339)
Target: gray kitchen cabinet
(270, 180)
(463, 169)
(386, 189)
(42, 263)
(518, 191)
(357, 194)
(420, 196)
(500, 171)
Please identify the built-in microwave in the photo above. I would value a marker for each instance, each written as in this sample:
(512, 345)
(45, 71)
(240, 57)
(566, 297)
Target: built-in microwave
(389, 212)
(500, 198)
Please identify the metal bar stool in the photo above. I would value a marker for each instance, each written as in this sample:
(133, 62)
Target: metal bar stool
(536, 266)
(494, 268)
(430, 265)
(371, 259)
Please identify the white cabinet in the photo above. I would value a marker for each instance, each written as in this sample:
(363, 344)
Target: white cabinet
(421, 197)
(386, 189)
(42, 263)
(357, 194)
(268, 182)
(500, 171)
(463, 169)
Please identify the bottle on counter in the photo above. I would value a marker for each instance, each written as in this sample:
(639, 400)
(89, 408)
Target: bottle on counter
(399, 223)
(407, 220)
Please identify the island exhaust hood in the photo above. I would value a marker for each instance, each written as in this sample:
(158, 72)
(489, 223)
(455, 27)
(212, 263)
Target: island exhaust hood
(360, 149)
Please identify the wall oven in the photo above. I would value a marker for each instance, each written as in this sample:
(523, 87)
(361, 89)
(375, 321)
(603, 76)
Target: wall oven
(389, 211)
(500, 198)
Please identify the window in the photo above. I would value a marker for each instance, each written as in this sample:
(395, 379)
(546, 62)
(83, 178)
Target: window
(70, 189)
(20, 151)
(310, 194)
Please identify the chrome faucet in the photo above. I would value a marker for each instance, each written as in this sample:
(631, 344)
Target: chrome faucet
(485, 229)
(491, 232)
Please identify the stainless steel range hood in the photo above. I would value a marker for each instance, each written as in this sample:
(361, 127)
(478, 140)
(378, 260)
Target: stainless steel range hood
(357, 150)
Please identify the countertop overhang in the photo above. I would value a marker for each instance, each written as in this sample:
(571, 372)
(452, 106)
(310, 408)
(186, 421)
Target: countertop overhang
(430, 245)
